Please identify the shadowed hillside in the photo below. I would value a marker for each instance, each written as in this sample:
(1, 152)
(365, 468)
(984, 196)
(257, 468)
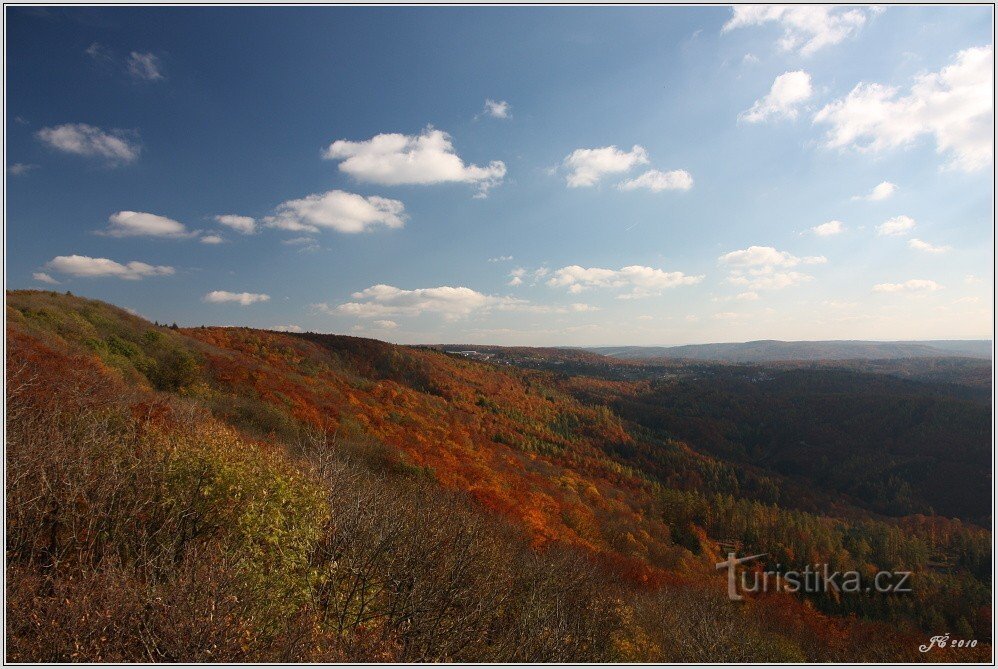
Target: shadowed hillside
(771, 351)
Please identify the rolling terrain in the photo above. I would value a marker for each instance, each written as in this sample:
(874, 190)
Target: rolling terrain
(773, 351)
(206, 494)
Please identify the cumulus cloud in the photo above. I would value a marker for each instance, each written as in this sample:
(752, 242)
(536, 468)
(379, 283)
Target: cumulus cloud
(394, 159)
(657, 181)
(919, 245)
(286, 328)
(44, 278)
(910, 286)
(881, 191)
(765, 268)
(20, 168)
(787, 92)
(142, 224)
(634, 280)
(212, 239)
(953, 106)
(385, 324)
(145, 66)
(500, 258)
(806, 29)
(243, 224)
(893, 227)
(245, 299)
(337, 210)
(828, 229)
(500, 109)
(115, 146)
(450, 302)
(87, 267)
(586, 167)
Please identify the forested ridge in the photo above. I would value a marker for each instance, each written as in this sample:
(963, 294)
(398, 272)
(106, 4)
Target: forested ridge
(210, 494)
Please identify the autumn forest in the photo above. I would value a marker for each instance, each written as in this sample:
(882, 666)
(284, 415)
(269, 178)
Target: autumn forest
(215, 494)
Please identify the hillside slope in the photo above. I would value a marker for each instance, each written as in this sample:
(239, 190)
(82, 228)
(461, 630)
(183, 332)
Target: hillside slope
(290, 458)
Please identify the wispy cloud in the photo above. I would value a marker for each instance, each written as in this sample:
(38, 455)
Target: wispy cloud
(633, 281)
(657, 181)
(144, 66)
(497, 109)
(117, 147)
(806, 28)
(894, 227)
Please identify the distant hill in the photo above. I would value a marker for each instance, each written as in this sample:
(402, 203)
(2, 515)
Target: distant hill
(772, 350)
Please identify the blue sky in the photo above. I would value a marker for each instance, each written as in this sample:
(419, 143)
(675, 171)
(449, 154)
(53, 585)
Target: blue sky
(576, 176)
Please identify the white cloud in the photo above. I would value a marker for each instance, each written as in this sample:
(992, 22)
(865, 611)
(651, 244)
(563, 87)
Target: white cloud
(337, 210)
(500, 258)
(581, 307)
(450, 302)
(755, 256)
(141, 224)
(86, 140)
(919, 245)
(787, 92)
(500, 109)
(893, 227)
(385, 324)
(286, 328)
(212, 239)
(394, 159)
(587, 166)
(767, 278)
(750, 296)
(911, 285)
(828, 229)
(657, 181)
(245, 299)
(20, 168)
(806, 28)
(637, 280)
(953, 106)
(243, 224)
(44, 278)
(144, 66)
(756, 268)
(86, 267)
(519, 274)
(881, 191)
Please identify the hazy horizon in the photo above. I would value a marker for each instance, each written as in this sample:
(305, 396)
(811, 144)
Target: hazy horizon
(646, 176)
